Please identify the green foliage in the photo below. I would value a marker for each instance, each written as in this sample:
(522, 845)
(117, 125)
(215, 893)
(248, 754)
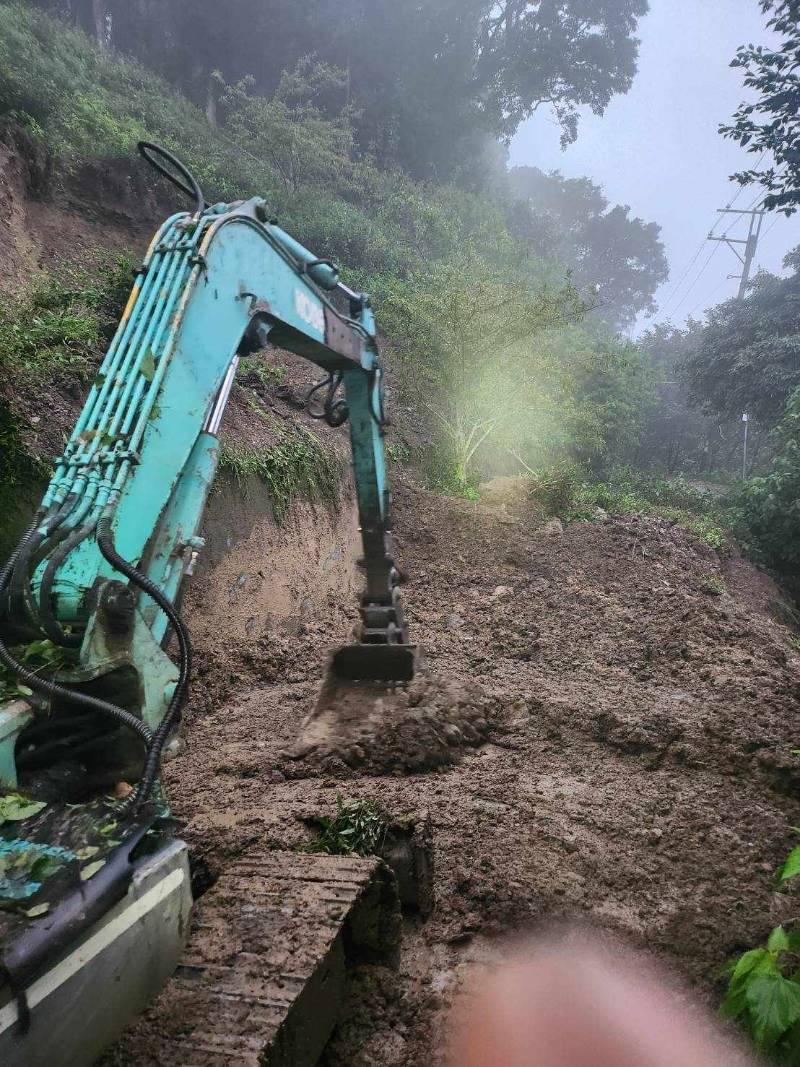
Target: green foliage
(296, 467)
(771, 124)
(490, 340)
(432, 84)
(765, 511)
(290, 130)
(473, 352)
(620, 261)
(676, 434)
(603, 399)
(357, 827)
(571, 494)
(791, 866)
(58, 322)
(255, 367)
(42, 657)
(16, 808)
(764, 995)
(748, 356)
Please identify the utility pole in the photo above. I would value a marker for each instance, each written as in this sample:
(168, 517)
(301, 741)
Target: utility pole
(750, 244)
(746, 421)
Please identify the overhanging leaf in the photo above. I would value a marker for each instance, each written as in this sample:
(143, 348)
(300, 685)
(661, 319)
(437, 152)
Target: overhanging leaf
(791, 867)
(15, 808)
(774, 1002)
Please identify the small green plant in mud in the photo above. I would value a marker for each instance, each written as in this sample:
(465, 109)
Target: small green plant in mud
(357, 827)
(398, 453)
(296, 467)
(254, 367)
(764, 988)
(714, 584)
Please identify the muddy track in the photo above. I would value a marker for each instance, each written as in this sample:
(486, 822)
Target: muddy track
(632, 766)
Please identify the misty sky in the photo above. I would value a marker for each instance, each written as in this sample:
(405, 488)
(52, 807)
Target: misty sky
(658, 150)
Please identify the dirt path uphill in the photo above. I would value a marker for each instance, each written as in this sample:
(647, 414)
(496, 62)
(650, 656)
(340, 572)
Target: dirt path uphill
(631, 766)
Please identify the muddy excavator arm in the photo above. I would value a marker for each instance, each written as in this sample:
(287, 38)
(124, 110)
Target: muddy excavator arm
(99, 572)
(128, 493)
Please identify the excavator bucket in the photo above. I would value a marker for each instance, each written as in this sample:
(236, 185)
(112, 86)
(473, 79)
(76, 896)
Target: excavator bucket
(374, 663)
(360, 683)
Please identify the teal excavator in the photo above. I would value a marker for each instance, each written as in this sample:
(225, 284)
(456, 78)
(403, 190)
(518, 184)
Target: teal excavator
(94, 890)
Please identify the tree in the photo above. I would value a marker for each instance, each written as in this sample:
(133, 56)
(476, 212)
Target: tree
(748, 357)
(766, 510)
(619, 259)
(677, 436)
(771, 125)
(473, 355)
(290, 130)
(565, 53)
(434, 82)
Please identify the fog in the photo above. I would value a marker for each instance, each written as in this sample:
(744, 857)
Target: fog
(657, 148)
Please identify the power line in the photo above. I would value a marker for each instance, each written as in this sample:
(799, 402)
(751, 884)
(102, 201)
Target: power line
(708, 300)
(697, 278)
(772, 225)
(670, 297)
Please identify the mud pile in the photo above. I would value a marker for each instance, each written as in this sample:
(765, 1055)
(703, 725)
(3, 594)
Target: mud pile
(392, 729)
(630, 764)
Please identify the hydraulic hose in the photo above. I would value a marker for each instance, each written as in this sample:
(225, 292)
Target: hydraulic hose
(46, 686)
(105, 543)
(31, 550)
(151, 152)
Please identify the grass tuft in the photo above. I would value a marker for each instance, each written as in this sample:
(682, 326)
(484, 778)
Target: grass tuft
(357, 827)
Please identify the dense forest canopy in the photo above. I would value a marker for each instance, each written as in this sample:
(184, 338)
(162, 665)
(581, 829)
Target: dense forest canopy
(432, 85)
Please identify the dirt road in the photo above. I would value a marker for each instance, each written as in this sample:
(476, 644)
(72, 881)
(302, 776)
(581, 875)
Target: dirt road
(631, 765)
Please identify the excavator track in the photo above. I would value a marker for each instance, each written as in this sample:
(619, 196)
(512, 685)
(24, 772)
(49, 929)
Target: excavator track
(262, 982)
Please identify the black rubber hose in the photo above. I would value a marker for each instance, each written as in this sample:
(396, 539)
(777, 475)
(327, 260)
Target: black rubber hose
(52, 689)
(31, 552)
(191, 187)
(171, 718)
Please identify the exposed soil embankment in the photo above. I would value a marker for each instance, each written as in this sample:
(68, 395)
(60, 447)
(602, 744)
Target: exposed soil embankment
(52, 217)
(637, 772)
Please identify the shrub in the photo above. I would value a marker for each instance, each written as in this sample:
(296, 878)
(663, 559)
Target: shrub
(570, 493)
(765, 512)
